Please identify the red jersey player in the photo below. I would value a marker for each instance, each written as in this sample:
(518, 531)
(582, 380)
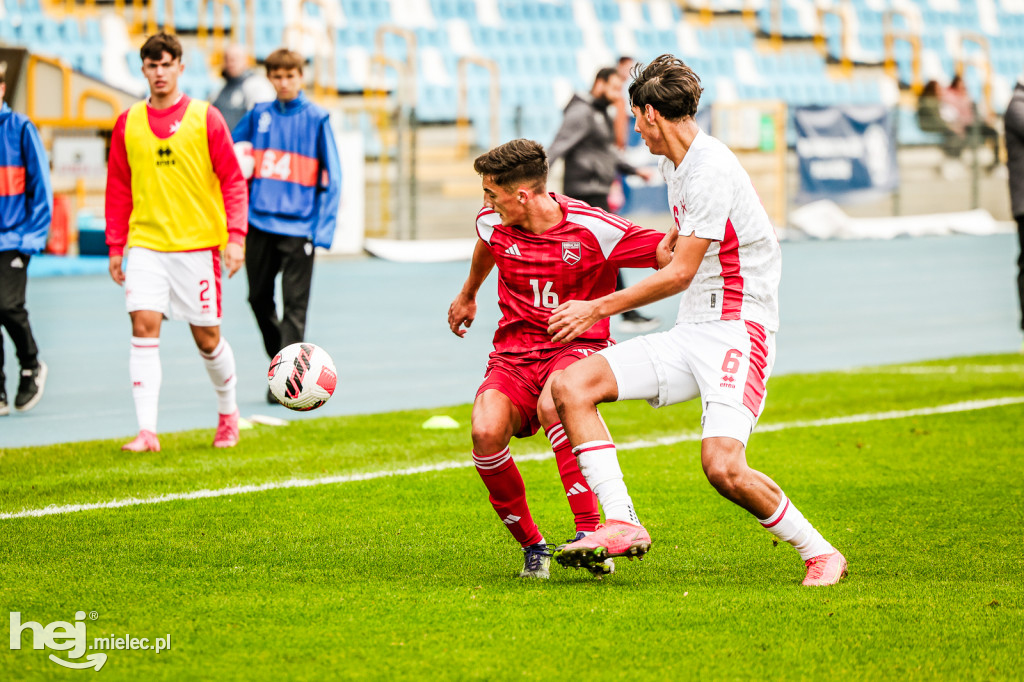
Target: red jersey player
(548, 249)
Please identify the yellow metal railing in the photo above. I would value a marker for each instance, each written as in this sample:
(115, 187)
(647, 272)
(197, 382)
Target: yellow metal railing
(325, 79)
(845, 34)
(706, 9)
(892, 36)
(775, 23)
(376, 97)
(981, 60)
(66, 119)
(410, 64)
(222, 35)
(462, 121)
(141, 16)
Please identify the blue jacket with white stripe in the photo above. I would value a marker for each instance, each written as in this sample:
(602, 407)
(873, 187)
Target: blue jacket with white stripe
(296, 185)
(26, 197)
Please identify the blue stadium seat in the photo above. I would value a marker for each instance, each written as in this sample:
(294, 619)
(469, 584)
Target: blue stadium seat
(186, 14)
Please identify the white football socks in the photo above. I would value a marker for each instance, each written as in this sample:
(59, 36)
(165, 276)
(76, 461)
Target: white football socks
(146, 374)
(220, 365)
(788, 524)
(599, 464)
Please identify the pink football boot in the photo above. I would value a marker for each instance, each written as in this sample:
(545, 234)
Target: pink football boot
(825, 569)
(227, 431)
(611, 539)
(146, 441)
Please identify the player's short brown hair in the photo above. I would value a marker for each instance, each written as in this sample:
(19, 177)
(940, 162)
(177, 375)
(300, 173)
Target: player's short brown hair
(668, 85)
(3, 75)
(284, 58)
(515, 163)
(155, 46)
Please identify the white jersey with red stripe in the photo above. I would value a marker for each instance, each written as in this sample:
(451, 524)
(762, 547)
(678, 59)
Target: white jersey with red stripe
(711, 197)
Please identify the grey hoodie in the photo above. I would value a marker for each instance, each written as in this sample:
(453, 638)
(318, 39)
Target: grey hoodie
(586, 141)
(1014, 122)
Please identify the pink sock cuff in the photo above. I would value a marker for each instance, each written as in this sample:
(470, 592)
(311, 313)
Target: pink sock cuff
(221, 345)
(141, 342)
(780, 512)
(593, 446)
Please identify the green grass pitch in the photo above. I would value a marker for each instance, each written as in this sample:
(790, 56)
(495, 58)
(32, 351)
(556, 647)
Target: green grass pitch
(413, 576)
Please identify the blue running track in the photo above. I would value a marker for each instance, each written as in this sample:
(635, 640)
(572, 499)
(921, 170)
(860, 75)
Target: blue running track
(844, 305)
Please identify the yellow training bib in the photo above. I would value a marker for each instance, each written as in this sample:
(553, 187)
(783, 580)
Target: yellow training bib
(177, 203)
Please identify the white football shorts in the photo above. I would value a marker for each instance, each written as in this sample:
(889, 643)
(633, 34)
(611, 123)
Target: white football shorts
(725, 362)
(183, 285)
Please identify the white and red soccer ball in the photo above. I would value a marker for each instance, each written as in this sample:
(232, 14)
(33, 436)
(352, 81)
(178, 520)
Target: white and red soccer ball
(302, 376)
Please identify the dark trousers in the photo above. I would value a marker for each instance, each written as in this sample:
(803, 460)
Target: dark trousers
(601, 201)
(13, 316)
(1020, 267)
(266, 255)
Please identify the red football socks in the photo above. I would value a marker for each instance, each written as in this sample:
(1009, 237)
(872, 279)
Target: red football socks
(582, 500)
(508, 495)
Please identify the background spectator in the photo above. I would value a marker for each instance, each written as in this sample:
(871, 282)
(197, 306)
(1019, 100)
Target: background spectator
(1014, 122)
(243, 87)
(967, 116)
(586, 141)
(936, 115)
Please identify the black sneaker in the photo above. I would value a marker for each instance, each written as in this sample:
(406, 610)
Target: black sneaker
(635, 323)
(30, 388)
(536, 561)
(5, 409)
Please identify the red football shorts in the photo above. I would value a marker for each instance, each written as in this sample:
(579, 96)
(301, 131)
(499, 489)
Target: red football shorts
(521, 376)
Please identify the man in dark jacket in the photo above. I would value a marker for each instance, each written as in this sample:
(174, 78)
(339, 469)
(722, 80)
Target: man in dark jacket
(25, 210)
(243, 88)
(1014, 122)
(586, 141)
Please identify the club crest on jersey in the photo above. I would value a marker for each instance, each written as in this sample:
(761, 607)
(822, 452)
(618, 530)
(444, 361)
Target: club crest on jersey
(571, 252)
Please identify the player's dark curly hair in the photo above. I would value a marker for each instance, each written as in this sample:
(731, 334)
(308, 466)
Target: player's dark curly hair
(668, 85)
(515, 163)
(155, 46)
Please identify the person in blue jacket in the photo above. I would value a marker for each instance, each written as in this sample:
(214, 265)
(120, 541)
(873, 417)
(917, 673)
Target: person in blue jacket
(26, 201)
(293, 199)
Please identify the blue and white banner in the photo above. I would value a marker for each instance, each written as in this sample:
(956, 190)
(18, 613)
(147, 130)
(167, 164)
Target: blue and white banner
(845, 152)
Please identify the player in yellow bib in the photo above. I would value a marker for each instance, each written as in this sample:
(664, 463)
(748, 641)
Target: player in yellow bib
(175, 199)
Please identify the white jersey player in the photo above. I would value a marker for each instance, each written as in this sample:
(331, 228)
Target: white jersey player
(728, 264)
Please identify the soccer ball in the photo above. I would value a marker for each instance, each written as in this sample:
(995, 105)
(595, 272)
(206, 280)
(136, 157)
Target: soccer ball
(302, 376)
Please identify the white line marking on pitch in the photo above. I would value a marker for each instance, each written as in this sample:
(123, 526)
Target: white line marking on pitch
(928, 369)
(465, 464)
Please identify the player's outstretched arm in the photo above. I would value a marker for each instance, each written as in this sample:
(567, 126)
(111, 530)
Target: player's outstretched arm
(572, 318)
(462, 311)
